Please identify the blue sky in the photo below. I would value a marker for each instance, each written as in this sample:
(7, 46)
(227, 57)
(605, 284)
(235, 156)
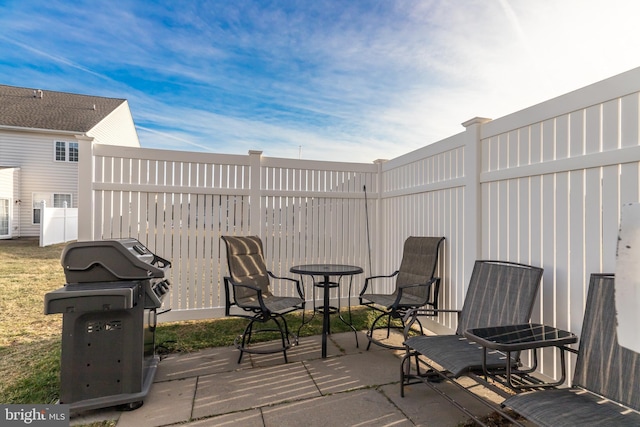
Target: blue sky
(350, 80)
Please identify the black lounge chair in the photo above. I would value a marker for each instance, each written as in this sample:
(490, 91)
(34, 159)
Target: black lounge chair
(605, 390)
(499, 293)
(415, 286)
(247, 287)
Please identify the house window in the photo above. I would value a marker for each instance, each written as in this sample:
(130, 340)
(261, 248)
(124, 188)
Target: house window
(61, 151)
(66, 151)
(55, 200)
(73, 152)
(59, 200)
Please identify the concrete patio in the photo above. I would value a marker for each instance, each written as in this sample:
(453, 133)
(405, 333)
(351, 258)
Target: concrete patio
(350, 387)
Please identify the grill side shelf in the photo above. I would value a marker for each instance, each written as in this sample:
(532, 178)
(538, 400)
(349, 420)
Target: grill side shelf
(65, 300)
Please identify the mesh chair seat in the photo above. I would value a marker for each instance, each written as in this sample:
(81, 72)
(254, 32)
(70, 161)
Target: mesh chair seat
(272, 303)
(571, 407)
(388, 301)
(455, 354)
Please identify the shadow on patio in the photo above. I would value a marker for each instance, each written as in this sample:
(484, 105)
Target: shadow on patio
(351, 386)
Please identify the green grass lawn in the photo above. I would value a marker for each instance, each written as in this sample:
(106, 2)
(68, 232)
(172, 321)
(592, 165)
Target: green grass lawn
(30, 341)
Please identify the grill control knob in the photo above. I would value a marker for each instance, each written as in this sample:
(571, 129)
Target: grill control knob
(161, 288)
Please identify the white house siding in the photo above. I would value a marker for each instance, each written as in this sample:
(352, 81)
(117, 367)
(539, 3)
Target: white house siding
(40, 173)
(116, 129)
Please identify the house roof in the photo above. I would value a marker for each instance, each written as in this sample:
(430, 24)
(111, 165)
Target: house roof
(46, 109)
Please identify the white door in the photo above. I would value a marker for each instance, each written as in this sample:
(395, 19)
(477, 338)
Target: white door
(4, 219)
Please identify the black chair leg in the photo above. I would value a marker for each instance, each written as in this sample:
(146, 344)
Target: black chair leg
(284, 335)
(372, 328)
(246, 338)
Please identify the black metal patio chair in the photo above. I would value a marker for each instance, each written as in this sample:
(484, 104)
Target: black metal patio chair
(604, 390)
(499, 293)
(416, 286)
(248, 288)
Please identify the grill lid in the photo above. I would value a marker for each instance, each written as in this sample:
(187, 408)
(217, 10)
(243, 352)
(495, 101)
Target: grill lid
(110, 261)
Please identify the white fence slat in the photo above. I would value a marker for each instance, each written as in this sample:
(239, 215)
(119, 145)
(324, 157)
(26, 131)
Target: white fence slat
(562, 250)
(548, 140)
(577, 250)
(549, 250)
(610, 216)
(610, 125)
(536, 236)
(629, 123)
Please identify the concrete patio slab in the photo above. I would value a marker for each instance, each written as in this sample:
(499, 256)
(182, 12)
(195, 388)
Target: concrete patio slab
(307, 348)
(94, 416)
(369, 407)
(168, 402)
(346, 342)
(240, 390)
(354, 371)
(425, 407)
(350, 387)
(204, 362)
(250, 418)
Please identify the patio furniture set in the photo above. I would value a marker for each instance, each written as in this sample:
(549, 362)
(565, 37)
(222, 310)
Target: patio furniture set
(493, 329)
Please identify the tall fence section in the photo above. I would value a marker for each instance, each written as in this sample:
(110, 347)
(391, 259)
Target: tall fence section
(542, 186)
(180, 204)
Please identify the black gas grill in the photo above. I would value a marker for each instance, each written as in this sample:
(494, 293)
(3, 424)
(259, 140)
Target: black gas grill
(109, 306)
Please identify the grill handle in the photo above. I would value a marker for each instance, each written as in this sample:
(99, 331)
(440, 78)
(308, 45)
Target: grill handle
(160, 262)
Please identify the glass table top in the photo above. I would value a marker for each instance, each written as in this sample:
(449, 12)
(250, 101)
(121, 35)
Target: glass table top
(326, 269)
(520, 337)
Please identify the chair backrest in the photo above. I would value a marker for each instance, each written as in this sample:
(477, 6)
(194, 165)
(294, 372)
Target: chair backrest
(499, 293)
(419, 262)
(245, 259)
(603, 366)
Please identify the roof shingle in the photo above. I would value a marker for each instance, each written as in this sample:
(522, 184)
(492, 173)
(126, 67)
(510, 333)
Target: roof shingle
(45, 109)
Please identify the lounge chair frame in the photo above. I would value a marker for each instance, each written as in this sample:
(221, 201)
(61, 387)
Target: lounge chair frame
(499, 293)
(604, 390)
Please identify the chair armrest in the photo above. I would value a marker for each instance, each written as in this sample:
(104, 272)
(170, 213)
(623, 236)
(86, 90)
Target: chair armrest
(256, 289)
(297, 282)
(227, 296)
(366, 281)
(412, 316)
(396, 303)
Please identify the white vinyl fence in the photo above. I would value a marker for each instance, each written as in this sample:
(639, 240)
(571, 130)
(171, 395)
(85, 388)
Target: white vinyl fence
(179, 204)
(542, 186)
(57, 225)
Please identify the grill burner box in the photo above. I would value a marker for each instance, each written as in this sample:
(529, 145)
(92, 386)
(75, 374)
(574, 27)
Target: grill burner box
(108, 306)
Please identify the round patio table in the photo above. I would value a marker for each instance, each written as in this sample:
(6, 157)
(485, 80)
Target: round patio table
(326, 271)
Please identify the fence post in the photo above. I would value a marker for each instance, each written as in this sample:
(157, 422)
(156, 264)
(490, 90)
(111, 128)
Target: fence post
(380, 223)
(86, 212)
(43, 205)
(473, 196)
(255, 199)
